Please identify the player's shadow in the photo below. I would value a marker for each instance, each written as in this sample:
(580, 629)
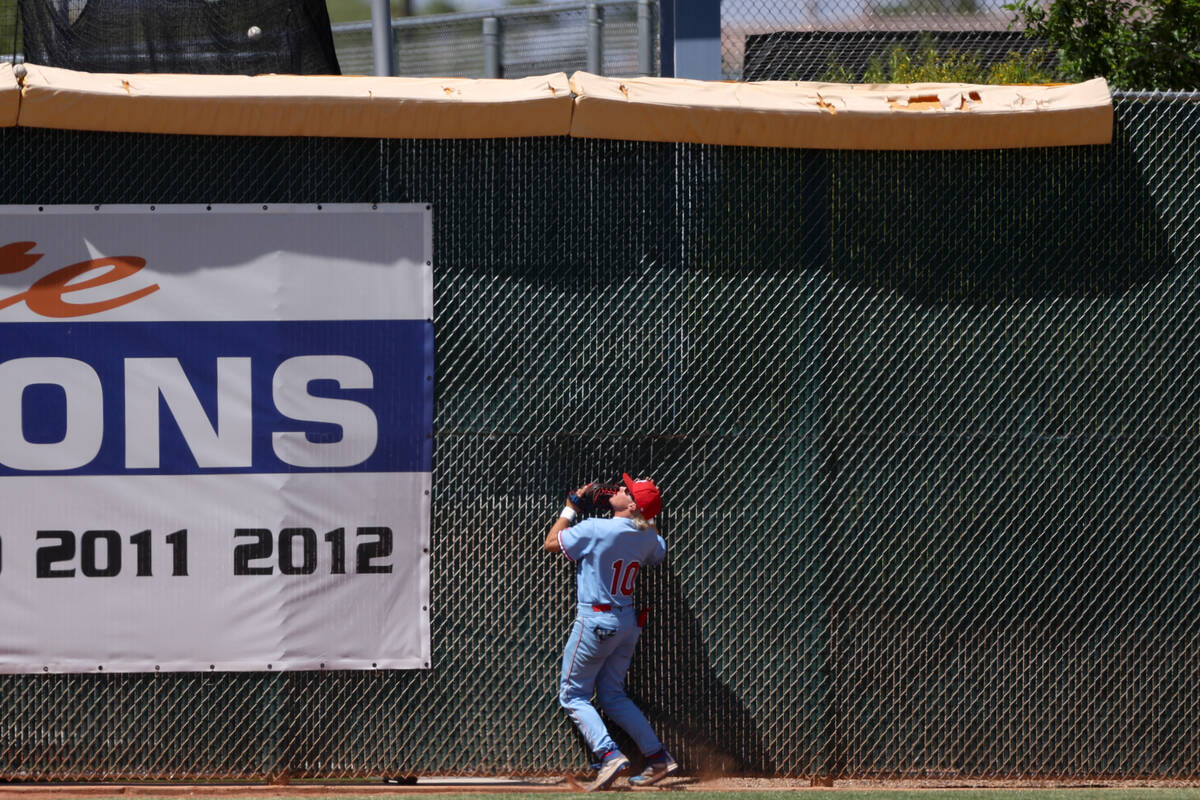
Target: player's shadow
(699, 718)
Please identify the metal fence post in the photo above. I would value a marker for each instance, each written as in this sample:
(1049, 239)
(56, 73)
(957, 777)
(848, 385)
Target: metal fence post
(595, 39)
(645, 34)
(493, 46)
(691, 42)
(381, 38)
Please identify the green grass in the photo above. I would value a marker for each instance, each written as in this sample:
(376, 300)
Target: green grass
(995, 794)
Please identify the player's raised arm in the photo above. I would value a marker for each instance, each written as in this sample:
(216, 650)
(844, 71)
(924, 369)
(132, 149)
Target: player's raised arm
(551, 543)
(566, 517)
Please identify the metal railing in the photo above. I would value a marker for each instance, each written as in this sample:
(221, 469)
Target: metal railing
(609, 37)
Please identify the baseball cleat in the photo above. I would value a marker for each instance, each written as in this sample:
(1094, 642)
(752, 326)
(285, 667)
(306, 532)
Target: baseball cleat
(608, 772)
(655, 771)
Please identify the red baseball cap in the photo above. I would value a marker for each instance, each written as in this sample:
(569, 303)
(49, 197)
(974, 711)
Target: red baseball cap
(645, 494)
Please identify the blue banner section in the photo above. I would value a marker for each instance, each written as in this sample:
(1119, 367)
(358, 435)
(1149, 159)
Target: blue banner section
(366, 380)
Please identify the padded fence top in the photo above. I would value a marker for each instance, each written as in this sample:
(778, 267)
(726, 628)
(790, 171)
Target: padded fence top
(10, 96)
(290, 105)
(919, 116)
(769, 114)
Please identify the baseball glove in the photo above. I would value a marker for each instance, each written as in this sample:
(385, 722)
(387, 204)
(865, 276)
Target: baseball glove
(592, 498)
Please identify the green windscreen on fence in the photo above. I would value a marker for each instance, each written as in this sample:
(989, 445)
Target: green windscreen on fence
(927, 426)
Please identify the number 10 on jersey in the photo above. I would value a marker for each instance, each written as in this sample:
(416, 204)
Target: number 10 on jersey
(624, 577)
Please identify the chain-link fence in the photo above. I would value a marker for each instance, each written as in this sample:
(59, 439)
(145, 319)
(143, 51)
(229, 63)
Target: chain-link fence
(609, 37)
(871, 18)
(927, 425)
(813, 55)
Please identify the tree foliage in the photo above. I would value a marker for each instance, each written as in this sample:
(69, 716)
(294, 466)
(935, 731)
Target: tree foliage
(928, 65)
(1148, 44)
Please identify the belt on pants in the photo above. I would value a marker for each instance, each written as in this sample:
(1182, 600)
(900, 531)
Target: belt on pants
(642, 615)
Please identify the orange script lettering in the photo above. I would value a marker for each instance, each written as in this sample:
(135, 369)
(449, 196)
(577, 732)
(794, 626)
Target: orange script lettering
(45, 295)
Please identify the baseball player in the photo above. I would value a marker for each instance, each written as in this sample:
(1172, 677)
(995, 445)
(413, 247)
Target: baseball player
(609, 554)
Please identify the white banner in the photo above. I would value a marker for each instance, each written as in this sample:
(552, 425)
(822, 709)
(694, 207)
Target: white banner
(215, 437)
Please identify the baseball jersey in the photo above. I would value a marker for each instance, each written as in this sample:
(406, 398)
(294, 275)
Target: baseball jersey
(610, 553)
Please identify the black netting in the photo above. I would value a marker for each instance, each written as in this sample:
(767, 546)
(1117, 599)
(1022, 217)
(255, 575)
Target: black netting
(190, 36)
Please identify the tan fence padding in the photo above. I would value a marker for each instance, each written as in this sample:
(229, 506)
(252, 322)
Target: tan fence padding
(768, 114)
(294, 105)
(10, 96)
(936, 116)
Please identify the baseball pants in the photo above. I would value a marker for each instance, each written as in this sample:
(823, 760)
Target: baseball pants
(595, 660)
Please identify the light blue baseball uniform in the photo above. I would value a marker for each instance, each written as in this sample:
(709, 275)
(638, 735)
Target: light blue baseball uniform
(610, 553)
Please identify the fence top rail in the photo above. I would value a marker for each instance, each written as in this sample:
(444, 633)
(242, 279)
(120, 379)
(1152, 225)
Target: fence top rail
(832, 116)
(1154, 94)
(289, 105)
(479, 16)
(770, 114)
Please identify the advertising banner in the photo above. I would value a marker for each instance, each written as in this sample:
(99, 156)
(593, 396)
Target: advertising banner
(215, 437)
